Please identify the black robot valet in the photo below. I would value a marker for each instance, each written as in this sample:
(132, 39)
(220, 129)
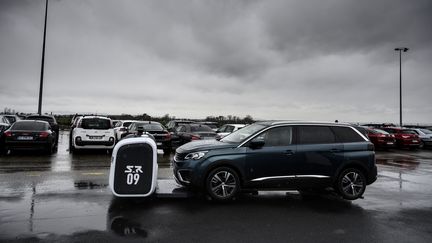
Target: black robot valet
(133, 171)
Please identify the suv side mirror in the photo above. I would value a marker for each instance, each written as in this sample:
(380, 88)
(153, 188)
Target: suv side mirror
(256, 143)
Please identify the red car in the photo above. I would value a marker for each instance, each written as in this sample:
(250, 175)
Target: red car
(381, 138)
(405, 138)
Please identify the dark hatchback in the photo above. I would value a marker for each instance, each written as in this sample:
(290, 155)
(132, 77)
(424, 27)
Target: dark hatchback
(30, 135)
(157, 130)
(279, 156)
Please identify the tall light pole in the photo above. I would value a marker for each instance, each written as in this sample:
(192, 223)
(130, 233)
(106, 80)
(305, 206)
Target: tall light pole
(43, 60)
(400, 49)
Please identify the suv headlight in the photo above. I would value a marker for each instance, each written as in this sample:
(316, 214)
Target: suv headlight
(196, 155)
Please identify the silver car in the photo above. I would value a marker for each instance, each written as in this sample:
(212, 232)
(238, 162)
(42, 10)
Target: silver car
(425, 136)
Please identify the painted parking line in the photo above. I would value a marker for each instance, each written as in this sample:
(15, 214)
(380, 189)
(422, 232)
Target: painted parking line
(93, 173)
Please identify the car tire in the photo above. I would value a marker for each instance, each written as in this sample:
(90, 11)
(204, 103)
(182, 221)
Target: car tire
(50, 148)
(421, 145)
(351, 184)
(222, 184)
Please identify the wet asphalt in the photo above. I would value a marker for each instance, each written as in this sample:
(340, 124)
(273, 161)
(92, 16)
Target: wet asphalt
(64, 198)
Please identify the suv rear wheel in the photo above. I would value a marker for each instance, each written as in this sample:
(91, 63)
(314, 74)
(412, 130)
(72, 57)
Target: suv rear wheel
(222, 184)
(351, 184)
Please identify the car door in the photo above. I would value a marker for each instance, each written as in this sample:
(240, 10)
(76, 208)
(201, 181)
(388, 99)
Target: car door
(318, 153)
(270, 165)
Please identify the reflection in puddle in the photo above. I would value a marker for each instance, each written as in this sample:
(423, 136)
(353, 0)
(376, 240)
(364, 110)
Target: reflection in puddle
(408, 163)
(124, 227)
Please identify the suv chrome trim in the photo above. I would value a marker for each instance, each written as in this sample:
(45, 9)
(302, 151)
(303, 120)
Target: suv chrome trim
(181, 178)
(291, 176)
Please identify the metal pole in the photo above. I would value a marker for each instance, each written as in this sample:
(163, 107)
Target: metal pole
(400, 88)
(43, 61)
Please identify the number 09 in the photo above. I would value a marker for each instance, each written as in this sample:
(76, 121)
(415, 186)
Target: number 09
(132, 179)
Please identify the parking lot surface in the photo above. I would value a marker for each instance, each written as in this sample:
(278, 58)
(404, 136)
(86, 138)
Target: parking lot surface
(64, 197)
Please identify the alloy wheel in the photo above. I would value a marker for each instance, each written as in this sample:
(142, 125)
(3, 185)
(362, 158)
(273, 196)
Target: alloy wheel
(222, 184)
(352, 184)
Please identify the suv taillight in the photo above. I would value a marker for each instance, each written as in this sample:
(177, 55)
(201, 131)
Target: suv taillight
(8, 134)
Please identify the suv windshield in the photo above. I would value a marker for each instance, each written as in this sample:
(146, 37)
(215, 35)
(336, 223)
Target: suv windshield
(240, 135)
(95, 123)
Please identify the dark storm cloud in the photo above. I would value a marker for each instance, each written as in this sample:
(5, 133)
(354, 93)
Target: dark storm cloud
(302, 29)
(313, 59)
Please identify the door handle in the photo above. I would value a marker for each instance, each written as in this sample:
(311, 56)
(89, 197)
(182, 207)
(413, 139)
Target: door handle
(335, 150)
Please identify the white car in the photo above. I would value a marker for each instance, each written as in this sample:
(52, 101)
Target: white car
(227, 129)
(425, 136)
(93, 132)
(120, 128)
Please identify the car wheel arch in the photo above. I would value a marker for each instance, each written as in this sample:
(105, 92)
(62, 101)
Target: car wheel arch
(218, 164)
(354, 165)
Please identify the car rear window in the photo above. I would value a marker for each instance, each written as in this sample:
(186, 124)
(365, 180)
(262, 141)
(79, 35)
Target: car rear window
(315, 135)
(150, 126)
(29, 126)
(347, 135)
(95, 123)
(408, 131)
(201, 128)
(379, 131)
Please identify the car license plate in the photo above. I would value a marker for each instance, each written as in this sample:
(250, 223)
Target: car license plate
(390, 143)
(26, 138)
(95, 137)
(415, 141)
(158, 144)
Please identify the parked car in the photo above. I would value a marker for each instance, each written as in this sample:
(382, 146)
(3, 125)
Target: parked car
(30, 135)
(212, 125)
(157, 130)
(93, 132)
(190, 132)
(381, 138)
(120, 128)
(4, 125)
(50, 119)
(12, 118)
(405, 138)
(279, 156)
(172, 125)
(425, 136)
(227, 129)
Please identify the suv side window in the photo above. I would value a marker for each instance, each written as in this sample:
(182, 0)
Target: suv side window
(315, 135)
(347, 135)
(222, 129)
(278, 136)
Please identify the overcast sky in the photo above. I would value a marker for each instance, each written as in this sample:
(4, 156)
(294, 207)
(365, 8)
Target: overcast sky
(314, 60)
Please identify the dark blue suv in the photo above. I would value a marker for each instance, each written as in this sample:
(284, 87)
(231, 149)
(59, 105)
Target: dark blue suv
(279, 156)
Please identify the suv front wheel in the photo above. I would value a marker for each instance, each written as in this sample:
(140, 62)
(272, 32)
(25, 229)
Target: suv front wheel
(351, 184)
(222, 184)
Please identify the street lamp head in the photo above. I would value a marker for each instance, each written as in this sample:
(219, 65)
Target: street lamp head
(404, 49)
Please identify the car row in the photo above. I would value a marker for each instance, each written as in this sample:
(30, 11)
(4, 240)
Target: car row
(385, 137)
